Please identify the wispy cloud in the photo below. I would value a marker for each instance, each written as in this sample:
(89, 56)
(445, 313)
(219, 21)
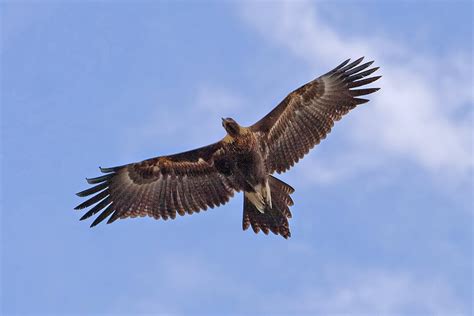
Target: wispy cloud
(190, 284)
(215, 100)
(416, 114)
(195, 125)
(335, 290)
(373, 293)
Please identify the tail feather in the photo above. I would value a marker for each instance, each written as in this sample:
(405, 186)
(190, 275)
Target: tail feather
(275, 217)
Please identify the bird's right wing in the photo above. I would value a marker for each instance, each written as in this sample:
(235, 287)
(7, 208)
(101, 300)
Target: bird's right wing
(159, 187)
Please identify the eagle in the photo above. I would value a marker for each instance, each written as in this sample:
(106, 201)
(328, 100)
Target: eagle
(243, 161)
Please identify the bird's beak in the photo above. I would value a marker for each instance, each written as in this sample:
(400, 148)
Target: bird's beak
(223, 120)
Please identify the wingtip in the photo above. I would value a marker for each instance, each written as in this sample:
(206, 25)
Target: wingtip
(95, 222)
(357, 62)
(115, 216)
(359, 101)
(107, 170)
(99, 179)
(344, 63)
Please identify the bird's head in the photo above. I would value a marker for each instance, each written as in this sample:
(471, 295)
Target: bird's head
(232, 127)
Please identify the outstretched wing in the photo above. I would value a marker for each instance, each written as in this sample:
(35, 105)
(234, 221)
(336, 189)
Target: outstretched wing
(159, 187)
(307, 114)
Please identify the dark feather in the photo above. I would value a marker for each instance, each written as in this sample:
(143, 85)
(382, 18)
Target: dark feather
(103, 215)
(114, 217)
(338, 67)
(93, 200)
(111, 169)
(355, 84)
(92, 190)
(99, 179)
(360, 101)
(96, 208)
(359, 92)
(363, 74)
(353, 64)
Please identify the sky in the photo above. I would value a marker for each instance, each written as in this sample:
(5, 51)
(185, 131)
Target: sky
(383, 215)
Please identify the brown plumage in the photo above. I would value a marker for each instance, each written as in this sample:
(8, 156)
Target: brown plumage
(244, 160)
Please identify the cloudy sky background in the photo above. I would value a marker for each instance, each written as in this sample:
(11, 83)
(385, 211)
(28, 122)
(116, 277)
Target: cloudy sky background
(383, 207)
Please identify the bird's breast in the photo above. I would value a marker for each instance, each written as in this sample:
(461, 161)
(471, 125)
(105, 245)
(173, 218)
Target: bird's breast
(242, 163)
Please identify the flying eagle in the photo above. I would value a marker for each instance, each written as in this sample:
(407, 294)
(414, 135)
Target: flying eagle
(244, 160)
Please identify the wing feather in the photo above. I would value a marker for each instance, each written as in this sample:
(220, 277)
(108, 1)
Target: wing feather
(159, 187)
(179, 198)
(307, 115)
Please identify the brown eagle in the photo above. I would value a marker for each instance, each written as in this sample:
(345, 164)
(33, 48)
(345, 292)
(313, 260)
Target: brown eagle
(244, 160)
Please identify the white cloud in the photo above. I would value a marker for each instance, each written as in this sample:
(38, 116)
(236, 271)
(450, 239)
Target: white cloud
(414, 115)
(373, 293)
(183, 282)
(335, 290)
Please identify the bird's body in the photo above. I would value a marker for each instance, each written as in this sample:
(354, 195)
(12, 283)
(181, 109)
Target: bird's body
(243, 161)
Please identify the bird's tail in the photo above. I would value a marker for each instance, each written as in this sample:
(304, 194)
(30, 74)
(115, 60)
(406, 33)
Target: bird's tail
(274, 218)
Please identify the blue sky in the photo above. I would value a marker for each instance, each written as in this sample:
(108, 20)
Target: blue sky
(383, 208)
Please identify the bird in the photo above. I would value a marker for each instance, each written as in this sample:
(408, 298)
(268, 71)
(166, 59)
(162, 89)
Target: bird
(245, 160)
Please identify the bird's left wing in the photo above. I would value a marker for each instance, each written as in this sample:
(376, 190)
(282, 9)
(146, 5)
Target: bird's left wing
(307, 114)
(159, 187)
